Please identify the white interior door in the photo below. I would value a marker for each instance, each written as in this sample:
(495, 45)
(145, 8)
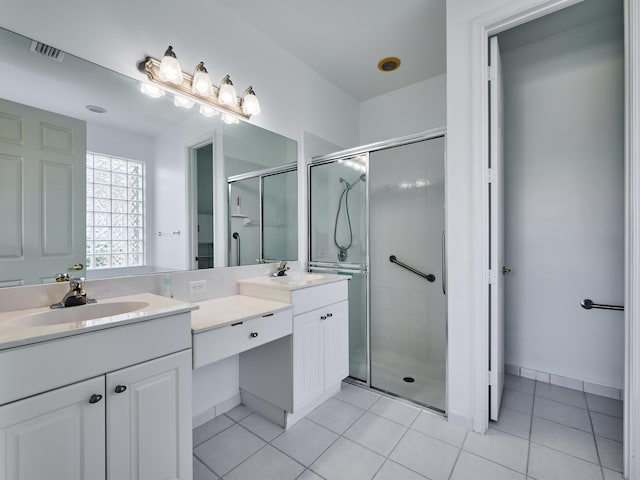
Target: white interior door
(496, 198)
(42, 193)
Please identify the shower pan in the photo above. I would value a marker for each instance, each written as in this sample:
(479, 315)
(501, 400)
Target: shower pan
(377, 213)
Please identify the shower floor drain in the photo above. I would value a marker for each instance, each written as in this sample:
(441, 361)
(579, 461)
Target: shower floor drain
(409, 379)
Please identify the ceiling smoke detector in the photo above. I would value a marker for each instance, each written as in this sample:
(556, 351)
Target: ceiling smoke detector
(47, 51)
(389, 64)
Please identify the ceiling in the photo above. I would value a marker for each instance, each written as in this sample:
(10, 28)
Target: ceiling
(344, 40)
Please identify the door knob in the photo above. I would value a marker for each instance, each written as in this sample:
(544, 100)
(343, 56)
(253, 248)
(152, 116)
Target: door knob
(505, 270)
(253, 334)
(77, 266)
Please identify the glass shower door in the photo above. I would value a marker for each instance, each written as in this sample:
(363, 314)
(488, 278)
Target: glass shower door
(280, 216)
(338, 241)
(408, 311)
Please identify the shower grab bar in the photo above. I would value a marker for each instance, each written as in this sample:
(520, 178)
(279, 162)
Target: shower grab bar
(588, 305)
(429, 276)
(236, 236)
(444, 262)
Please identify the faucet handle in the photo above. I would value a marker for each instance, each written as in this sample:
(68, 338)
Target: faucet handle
(76, 283)
(63, 277)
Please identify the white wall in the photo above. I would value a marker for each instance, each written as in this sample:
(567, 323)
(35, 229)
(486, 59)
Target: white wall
(412, 109)
(564, 206)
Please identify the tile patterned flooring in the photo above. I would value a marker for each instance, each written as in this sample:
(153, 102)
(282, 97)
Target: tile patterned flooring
(545, 432)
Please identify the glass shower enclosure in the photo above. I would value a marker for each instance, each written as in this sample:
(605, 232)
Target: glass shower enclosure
(377, 214)
(263, 219)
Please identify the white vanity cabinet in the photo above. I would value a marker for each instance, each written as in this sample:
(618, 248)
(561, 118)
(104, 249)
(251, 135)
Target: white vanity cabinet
(58, 434)
(320, 351)
(285, 380)
(61, 434)
(113, 403)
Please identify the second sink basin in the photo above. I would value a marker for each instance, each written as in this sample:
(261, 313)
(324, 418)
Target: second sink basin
(77, 314)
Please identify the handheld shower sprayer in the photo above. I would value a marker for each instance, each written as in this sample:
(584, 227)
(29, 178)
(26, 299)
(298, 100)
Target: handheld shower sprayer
(343, 250)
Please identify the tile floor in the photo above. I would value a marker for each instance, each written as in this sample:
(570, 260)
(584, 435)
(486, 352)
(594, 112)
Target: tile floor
(545, 432)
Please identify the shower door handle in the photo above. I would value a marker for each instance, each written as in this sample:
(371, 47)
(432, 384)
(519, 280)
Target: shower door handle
(444, 262)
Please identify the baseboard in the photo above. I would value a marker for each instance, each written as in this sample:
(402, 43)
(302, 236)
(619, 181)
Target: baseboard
(572, 383)
(263, 408)
(460, 421)
(215, 411)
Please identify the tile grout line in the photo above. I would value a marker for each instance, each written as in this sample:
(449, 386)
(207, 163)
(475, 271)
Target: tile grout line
(593, 434)
(533, 406)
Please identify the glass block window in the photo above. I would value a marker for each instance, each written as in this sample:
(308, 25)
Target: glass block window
(115, 212)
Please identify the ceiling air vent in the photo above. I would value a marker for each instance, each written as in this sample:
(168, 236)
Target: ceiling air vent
(47, 51)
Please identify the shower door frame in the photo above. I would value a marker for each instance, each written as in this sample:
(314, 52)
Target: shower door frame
(366, 150)
(260, 174)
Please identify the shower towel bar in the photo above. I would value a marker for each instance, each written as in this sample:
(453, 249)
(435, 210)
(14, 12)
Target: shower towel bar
(429, 276)
(588, 304)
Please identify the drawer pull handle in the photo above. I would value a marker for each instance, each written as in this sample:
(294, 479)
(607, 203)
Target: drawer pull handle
(267, 315)
(236, 324)
(120, 388)
(329, 315)
(253, 334)
(323, 317)
(95, 398)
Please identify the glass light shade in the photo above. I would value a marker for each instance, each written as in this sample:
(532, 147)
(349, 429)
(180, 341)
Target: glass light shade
(151, 90)
(170, 70)
(226, 93)
(229, 119)
(201, 83)
(208, 111)
(250, 104)
(183, 102)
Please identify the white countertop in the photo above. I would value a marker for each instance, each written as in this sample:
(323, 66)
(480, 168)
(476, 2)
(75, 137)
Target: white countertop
(294, 280)
(219, 312)
(15, 335)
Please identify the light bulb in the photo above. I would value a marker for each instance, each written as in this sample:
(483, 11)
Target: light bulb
(151, 90)
(183, 102)
(250, 104)
(170, 70)
(226, 93)
(201, 83)
(208, 111)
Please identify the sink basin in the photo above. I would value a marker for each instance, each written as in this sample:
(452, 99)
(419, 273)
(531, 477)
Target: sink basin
(77, 314)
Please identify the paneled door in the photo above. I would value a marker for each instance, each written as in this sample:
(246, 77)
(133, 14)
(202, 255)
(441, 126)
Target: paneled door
(42, 193)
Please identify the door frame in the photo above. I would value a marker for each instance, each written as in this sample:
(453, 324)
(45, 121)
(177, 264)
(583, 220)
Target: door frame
(483, 27)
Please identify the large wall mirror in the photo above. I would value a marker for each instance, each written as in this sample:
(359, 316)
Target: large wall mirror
(96, 175)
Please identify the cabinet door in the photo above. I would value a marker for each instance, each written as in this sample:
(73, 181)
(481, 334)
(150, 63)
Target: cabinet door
(308, 358)
(58, 435)
(149, 420)
(335, 322)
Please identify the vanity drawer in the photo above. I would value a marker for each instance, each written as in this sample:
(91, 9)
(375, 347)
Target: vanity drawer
(213, 345)
(318, 296)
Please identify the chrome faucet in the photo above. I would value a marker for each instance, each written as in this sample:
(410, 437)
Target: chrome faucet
(281, 270)
(75, 296)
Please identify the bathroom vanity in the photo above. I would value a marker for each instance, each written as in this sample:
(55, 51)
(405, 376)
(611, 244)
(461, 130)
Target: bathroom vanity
(292, 337)
(107, 397)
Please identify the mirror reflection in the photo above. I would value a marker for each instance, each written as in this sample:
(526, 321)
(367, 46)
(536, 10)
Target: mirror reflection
(95, 174)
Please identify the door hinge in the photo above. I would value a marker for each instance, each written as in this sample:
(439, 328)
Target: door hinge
(492, 378)
(491, 175)
(491, 73)
(493, 277)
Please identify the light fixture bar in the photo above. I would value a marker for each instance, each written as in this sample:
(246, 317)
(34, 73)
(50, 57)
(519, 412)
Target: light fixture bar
(151, 67)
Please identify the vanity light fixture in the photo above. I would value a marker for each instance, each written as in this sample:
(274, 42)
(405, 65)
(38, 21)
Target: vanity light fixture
(250, 104)
(201, 84)
(227, 93)
(197, 88)
(169, 69)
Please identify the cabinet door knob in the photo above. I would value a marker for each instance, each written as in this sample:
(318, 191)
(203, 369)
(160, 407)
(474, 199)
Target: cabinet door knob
(253, 334)
(95, 398)
(120, 388)
(329, 315)
(323, 317)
